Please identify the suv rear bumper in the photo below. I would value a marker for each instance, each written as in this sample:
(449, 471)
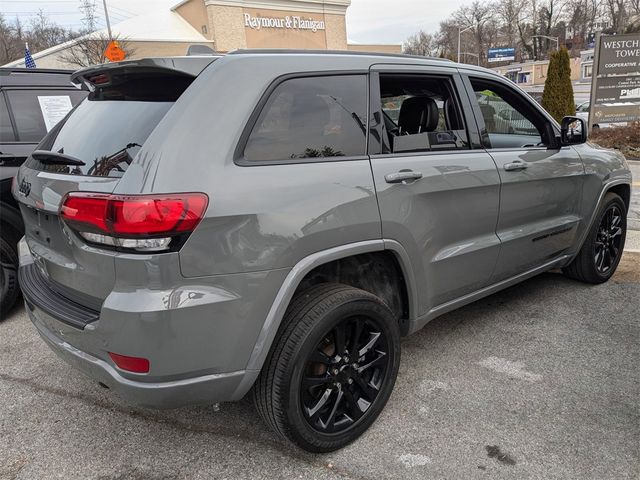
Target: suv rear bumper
(198, 334)
(203, 390)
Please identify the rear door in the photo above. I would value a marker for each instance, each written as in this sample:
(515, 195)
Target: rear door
(438, 190)
(105, 132)
(541, 181)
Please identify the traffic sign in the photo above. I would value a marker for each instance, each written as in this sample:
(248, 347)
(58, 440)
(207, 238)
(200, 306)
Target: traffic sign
(113, 52)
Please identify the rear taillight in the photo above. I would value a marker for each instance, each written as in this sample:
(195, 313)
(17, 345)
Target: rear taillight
(134, 222)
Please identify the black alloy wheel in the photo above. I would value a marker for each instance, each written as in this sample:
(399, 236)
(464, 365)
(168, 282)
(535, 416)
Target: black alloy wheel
(331, 369)
(607, 247)
(344, 374)
(600, 254)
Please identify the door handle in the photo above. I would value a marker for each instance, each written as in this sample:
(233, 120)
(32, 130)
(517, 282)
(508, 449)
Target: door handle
(402, 176)
(515, 166)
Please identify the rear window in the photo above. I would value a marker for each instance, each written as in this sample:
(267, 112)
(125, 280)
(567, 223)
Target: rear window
(107, 130)
(105, 135)
(35, 112)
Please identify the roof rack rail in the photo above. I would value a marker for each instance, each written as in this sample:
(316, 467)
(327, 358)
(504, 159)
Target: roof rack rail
(270, 51)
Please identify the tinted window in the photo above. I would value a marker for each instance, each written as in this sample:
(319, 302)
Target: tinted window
(421, 113)
(105, 134)
(6, 130)
(510, 121)
(310, 118)
(28, 113)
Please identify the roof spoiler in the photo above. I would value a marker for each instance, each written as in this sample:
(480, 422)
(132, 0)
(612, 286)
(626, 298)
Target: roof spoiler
(180, 66)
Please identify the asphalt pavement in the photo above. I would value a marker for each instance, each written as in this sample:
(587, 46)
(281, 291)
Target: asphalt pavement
(540, 381)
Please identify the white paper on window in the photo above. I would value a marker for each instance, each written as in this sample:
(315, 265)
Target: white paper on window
(54, 109)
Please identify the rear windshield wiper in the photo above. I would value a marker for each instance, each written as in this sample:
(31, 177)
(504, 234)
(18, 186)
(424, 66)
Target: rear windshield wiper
(57, 158)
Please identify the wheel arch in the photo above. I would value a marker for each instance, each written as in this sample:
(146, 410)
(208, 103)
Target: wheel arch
(623, 190)
(305, 269)
(620, 186)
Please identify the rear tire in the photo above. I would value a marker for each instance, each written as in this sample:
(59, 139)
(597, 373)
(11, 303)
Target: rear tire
(9, 288)
(602, 250)
(331, 369)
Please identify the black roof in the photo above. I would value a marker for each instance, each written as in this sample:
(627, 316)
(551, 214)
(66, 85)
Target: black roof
(35, 77)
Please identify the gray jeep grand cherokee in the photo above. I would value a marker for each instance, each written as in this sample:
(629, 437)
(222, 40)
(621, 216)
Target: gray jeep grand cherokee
(199, 228)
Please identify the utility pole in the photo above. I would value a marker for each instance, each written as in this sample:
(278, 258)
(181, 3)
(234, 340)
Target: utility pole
(106, 17)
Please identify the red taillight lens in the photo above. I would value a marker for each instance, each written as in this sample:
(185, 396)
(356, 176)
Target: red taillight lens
(87, 209)
(132, 217)
(130, 364)
(152, 215)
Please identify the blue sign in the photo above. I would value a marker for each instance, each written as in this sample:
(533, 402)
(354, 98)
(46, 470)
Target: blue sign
(501, 55)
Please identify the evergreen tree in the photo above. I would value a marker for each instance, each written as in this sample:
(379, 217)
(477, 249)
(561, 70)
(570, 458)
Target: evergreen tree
(557, 97)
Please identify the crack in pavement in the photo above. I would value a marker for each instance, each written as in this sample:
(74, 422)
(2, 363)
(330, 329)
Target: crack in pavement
(245, 435)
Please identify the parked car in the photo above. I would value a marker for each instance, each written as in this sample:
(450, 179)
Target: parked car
(31, 100)
(204, 228)
(582, 112)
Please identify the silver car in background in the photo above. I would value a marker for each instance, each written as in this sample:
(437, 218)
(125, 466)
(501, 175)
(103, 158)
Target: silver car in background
(202, 228)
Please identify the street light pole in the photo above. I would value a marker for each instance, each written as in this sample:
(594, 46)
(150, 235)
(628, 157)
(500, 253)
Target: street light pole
(106, 17)
(460, 32)
(473, 55)
(555, 39)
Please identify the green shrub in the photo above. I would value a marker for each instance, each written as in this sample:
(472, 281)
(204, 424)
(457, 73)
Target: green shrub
(557, 97)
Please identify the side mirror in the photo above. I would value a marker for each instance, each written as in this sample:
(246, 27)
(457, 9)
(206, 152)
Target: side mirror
(573, 131)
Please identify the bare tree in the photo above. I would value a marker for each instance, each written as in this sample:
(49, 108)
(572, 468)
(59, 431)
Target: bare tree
(421, 43)
(477, 16)
(89, 48)
(40, 33)
(617, 10)
(447, 38)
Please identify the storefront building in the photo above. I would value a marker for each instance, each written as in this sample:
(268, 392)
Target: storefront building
(534, 73)
(586, 65)
(226, 25)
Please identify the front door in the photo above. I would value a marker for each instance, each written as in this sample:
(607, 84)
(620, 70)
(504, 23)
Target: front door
(438, 196)
(541, 182)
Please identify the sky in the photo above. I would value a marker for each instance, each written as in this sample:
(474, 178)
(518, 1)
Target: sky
(368, 21)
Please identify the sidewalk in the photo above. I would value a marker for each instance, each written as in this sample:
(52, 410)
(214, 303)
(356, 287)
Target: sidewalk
(632, 243)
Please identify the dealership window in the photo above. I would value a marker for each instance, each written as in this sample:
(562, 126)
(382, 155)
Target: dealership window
(312, 118)
(421, 113)
(510, 120)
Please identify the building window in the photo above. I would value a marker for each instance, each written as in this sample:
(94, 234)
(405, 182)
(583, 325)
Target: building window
(588, 71)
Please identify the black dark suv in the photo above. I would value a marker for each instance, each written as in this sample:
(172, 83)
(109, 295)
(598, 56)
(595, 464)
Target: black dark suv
(32, 101)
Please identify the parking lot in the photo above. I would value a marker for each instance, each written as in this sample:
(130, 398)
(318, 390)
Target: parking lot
(539, 381)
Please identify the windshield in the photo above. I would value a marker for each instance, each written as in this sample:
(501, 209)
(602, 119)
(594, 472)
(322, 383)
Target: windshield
(105, 135)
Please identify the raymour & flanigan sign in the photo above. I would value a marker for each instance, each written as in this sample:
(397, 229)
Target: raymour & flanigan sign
(288, 22)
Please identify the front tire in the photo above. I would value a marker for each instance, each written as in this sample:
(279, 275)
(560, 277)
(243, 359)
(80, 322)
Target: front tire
(332, 367)
(602, 250)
